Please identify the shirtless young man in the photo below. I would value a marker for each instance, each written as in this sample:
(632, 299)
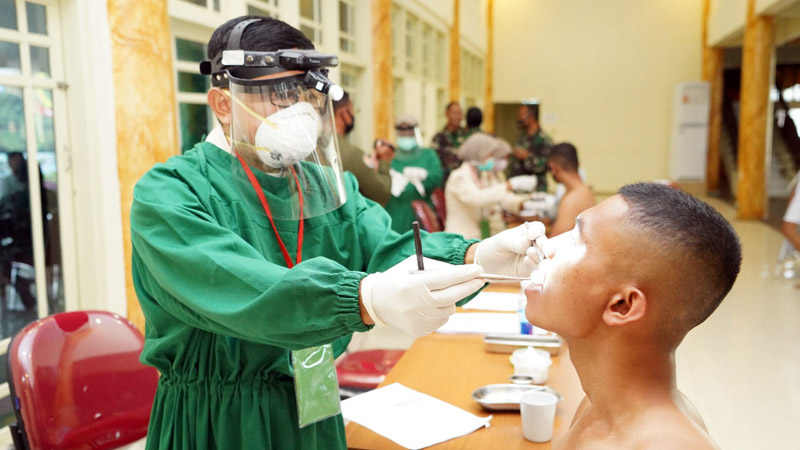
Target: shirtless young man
(635, 274)
(563, 164)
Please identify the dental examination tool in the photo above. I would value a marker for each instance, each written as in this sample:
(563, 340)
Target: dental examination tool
(418, 245)
(494, 277)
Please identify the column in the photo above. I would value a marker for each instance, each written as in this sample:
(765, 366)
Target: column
(488, 101)
(144, 98)
(382, 96)
(454, 86)
(756, 69)
(712, 73)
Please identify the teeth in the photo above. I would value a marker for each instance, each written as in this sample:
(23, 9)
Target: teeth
(538, 275)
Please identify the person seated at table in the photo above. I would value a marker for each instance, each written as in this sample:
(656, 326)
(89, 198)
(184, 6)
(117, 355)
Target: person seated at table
(635, 274)
(563, 164)
(473, 193)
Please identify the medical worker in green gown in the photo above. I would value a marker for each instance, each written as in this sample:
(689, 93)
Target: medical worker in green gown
(415, 173)
(255, 257)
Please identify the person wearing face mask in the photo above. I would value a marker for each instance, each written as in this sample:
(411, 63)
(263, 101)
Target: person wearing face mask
(255, 258)
(416, 172)
(375, 184)
(531, 148)
(474, 194)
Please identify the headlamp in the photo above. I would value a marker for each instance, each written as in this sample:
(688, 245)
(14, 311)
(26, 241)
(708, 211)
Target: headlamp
(246, 64)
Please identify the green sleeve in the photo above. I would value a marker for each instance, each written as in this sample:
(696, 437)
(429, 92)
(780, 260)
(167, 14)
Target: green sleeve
(384, 247)
(208, 277)
(434, 168)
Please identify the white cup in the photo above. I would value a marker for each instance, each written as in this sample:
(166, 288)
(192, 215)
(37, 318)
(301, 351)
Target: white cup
(538, 411)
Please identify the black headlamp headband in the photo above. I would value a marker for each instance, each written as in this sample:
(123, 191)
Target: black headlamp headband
(244, 65)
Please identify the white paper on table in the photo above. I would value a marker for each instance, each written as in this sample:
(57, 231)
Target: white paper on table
(494, 301)
(410, 418)
(481, 323)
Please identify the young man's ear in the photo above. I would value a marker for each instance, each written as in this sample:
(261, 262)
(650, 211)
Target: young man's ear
(625, 307)
(220, 104)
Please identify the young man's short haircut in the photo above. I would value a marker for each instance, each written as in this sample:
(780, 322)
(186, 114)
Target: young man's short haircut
(474, 117)
(706, 249)
(266, 35)
(565, 155)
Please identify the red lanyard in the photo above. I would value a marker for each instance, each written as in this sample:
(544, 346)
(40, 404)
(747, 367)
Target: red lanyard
(260, 194)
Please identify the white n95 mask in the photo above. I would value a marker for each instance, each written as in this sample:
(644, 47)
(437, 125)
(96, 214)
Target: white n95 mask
(288, 136)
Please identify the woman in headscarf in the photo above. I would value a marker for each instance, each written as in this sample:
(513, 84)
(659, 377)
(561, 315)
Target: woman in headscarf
(474, 192)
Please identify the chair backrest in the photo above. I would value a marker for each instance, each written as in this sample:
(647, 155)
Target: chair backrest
(427, 218)
(437, 198)
(76, 382)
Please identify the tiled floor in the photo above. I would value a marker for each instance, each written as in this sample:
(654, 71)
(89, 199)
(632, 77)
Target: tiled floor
(741, 368)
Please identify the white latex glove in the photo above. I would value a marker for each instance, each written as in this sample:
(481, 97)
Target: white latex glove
(418, 303)
(415, 173)
(399, 182)
(523, 183)
(515, 252)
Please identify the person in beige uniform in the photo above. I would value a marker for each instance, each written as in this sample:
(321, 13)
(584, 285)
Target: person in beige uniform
(636, 273)
(469, 193)
(375, 184)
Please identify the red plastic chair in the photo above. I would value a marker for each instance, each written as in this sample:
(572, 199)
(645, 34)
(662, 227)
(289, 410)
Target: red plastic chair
(365, 370)
(76, 382)
(426, 217)
(437, 198)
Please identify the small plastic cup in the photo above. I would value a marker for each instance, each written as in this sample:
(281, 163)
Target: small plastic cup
(538, 412)
(533, 362)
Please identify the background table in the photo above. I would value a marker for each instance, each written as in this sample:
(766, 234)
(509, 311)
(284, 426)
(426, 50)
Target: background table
(450, 368)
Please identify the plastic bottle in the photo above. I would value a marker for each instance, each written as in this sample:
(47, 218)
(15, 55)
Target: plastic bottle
(524, 326)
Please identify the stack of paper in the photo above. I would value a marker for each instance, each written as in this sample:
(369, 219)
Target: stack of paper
(481, 323)
(410, 418)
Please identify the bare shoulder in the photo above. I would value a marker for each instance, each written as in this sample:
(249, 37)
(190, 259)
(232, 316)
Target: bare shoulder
(669, 430)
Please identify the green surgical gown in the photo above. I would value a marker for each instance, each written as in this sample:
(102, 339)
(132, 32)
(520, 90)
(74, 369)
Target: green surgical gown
(399, 208)
(222, 311)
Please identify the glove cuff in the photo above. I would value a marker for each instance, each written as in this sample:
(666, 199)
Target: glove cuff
(477, 257)
(366, 298)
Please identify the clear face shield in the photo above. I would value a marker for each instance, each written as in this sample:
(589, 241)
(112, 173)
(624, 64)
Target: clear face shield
(283, 136)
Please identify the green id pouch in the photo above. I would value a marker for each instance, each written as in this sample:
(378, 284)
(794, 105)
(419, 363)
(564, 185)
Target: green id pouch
(315, 384)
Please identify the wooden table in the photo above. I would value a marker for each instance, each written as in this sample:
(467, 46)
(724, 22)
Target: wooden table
(450, 367)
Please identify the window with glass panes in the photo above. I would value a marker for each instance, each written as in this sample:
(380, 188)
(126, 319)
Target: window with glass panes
(311, 20)
(32, 137)
(194, 115)
(471, 77)
(263, 8)
(347, 26)
(419, 60)
(212, 5)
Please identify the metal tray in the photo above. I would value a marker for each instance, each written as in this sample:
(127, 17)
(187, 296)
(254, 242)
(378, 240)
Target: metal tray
(507, 343)
(505, 397)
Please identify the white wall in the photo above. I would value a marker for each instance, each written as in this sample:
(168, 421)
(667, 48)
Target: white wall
(607, 70)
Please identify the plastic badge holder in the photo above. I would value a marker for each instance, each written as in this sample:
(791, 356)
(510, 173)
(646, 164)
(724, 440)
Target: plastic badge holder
(315, 383)
(532, 362)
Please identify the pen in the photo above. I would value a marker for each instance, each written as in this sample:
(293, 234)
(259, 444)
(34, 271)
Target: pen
(418, 245)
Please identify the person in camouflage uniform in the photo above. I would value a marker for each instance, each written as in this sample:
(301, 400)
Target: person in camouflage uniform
(531, 149)
(447, 141)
